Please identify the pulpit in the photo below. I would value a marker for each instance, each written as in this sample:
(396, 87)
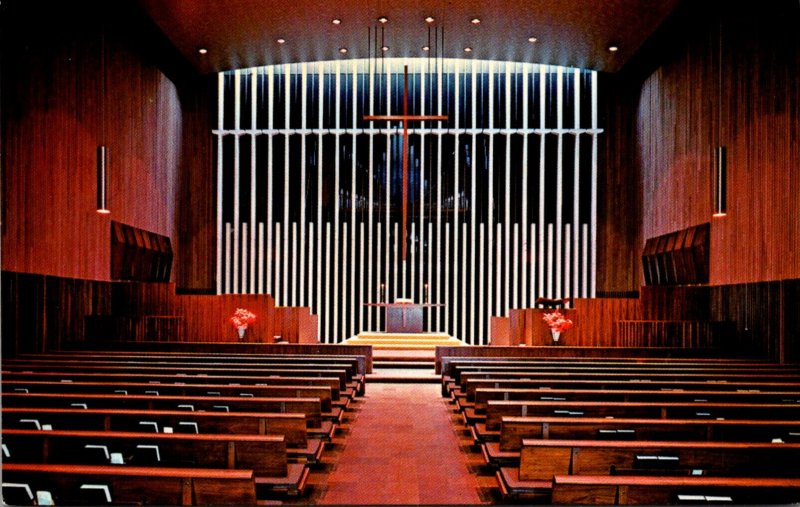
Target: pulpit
(404, 317)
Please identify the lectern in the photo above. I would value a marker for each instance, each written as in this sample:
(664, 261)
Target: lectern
(403, 317)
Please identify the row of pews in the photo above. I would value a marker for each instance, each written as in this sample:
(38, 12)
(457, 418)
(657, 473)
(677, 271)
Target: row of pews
(632, 431)
(169, 428)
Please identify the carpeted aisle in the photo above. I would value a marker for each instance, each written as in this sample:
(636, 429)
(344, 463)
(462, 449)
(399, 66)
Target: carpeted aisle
(402, 449)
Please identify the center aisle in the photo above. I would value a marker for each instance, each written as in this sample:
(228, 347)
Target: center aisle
(402, 448)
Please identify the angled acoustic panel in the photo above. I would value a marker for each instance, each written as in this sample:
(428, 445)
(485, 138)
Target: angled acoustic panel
(677, 258)
(139, 255)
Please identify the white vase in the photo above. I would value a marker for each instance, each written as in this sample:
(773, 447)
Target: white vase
(556, 335)
(241, 330)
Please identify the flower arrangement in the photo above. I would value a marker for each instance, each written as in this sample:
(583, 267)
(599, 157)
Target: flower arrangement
(556, 321)
(242, 317)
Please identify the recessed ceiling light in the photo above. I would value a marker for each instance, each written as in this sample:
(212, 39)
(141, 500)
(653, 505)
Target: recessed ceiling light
(336, 21)
(343, 50)
(532, 39)
(280, 40)
(468, 49)
(426, 48)
(476, 21)
(383, 20)
(429, 19)
(385, 48)
(202, 51)
(613, 48)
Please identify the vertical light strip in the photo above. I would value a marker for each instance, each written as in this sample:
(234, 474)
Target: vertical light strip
(456, 192)
(534, 262)
(507, 203)
(439, 240)
(576, 201)
(412, 252)
(464, 334)
(514, 279)
(228, 263)
(542, 125)
(499, 273)
(244, 257)
(320, 238)
(381, 293)
(372, 282)
(341, 331)
(311, 261)
(585, 243)
(559, 175)
(220, 126)
(482, 317)
(237, 117)
(270, 191)
(428, 277)
(361, 280)
(279, 301)
(526, 286)
(550, 260)
(253, 185)
(568, 293)
(396, 264)
(327, 337)
(473, 201)
(447, 275)
(260, 258)
(490, 211)
(353, 205)
(337, 199)
(593, 206)
(303, 168)
(287, 116)
(293, 255)
(388, 180)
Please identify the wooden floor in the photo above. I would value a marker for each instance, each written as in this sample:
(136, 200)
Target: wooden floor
(389, 458)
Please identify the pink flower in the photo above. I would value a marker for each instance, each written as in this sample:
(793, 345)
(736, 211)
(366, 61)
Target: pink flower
(557, 321)
(242, 317)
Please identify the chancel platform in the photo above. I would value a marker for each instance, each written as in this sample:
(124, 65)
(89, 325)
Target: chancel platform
(404, 341)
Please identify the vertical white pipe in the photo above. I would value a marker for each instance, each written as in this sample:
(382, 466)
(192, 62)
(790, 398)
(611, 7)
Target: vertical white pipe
(464, 335)
(576, 183)
(328, 319)
(361, 281)
(559, 175)
(372, 281)
(237, 119)
(294, 256)
(260, 257)
(526, 287)
(585, 243)
(515, 272)
(341, 333)
(456, 194)
(593, 206)
(228, 236)
(428, 277)
(447, 275)
(542, 125)
(253, 228)
(499, 272)
(567, 293)
(311, 262)
(387, 269)
(507, 217)
(244, 257)
(439, 238)
(380, 278)
(421, 199)
(412, 253)
(550, 260)
(337, 198)
(482, 317)
(270, 191)
(353, 202)
(220, 232)
(396, 246)
(279, 298)
(304, 266)
(490, 212)
(320, 237)
(473, 203)
(535, 259)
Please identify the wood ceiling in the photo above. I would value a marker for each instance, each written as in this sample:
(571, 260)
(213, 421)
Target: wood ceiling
(244, 33)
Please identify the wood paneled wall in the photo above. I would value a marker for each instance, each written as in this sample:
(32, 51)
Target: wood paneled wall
(728, 74)
(77, 76)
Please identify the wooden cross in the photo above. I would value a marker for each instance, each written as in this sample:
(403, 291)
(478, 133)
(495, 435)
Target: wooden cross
(405, 118)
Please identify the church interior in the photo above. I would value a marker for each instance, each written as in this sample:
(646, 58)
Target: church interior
(398, 252)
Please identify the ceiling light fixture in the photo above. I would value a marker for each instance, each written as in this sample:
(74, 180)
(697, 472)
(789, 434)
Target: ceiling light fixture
(202, 51)
(613, 48)
(429, 19)
(383, 20)
(336, 21)
(280, 40)
(343, 50)
(532, 39)
(426, 48)
(384, 48)
(476, 21)
(468, 49)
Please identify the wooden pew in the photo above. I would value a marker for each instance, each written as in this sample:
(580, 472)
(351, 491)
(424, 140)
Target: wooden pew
(350, 366)
(646, 490)
(541, 460)
(323, 393)
(178, 379)
(136, 485)
(298, 370)
(270, 377)
(264, 454)
(291, 426)
(636, 393)
(496, 409)
(309, 406)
